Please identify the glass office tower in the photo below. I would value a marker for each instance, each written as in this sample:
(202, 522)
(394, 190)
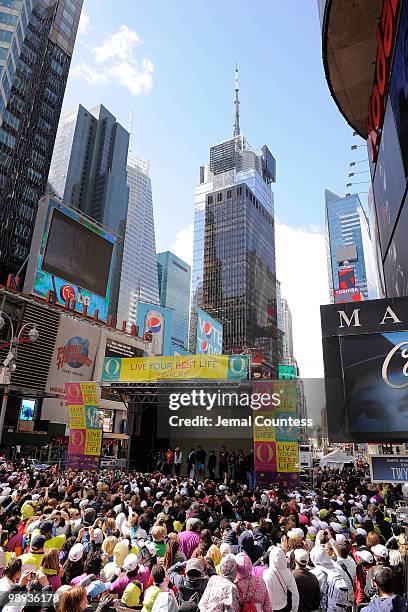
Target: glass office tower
(139, 268)
(36, 44)
(234, 273)
(174, 287)
(349, 248)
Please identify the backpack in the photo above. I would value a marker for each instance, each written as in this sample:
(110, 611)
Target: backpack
(248, 605)
(337, 590)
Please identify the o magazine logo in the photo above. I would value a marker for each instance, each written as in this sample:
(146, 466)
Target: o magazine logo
(111, 368)
(387, 361)
(237, 366)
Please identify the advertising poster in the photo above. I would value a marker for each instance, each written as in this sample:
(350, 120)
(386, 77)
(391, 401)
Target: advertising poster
(73, 359)
(145, 369)
(276, 447)
(64, 262)
(287, 372)
(85, 426)
(157, 321)
(209, 334)
(347, 279)
(365, 351)
(387, 469)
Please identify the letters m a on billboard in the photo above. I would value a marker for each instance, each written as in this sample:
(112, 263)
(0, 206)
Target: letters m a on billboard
(365, 352)
(209, 334)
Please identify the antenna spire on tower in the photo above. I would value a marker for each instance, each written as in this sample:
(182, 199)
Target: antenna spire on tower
(131, 124)
(237, 130)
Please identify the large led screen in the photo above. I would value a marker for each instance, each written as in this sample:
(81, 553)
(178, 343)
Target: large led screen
(77, 254)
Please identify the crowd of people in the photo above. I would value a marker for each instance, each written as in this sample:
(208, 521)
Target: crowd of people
(76, 541)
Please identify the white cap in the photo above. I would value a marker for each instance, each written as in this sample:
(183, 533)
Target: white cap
(76, 553)
(130, 563)
(380, 551)
(365, 555)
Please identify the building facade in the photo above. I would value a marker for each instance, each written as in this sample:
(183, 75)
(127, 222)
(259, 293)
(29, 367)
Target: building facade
(37, 39)
(174, 276)
(139, 268)
(88, 170)
(287, 330)
(350, 252)
(362, 42)
(234, 272)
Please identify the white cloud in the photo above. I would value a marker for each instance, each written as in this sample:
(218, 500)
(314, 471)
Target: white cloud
(302, 270)
(83, 22)
(93, 77)
(118, 47)
(183, 244)
(138, 79)
(114, 61)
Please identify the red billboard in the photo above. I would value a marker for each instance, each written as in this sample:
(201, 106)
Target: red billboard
(347, 278)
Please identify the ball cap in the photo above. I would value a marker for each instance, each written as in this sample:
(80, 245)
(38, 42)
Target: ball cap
(130, 563)
(301, 556)
(76, 553)
(38, 542)
(380, 551)
(195, 564)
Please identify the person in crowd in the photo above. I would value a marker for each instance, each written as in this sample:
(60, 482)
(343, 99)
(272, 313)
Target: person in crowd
(221, 593)
(212, 464)
(280, 583)
(223, 462)
(177, 460)
(191, 464)
(307, 584)
(201, 457)
(386, 600)
(192, 584)
(190, 538)
(251, 589)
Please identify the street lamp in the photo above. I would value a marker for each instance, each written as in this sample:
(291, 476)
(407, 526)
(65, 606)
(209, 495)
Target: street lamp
(9, 364)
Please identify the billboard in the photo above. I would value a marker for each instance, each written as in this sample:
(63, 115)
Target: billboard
(157, 321)
(150, 369)
(62, 259)
(276, 448)
(341, 296)
(365, 351)
(388, 469)
(85, 426)
(347, 279)
(209, 334)
(73, 359)
(287, 372)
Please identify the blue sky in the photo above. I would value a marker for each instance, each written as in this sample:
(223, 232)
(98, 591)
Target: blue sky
(178, 58)
(192, 46)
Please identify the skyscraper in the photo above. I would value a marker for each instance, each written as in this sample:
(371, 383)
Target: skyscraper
(88, 170)
(174, 287)
(234, 277)
(36, 44)
(139, 269)
(287, 329)
(350, 255)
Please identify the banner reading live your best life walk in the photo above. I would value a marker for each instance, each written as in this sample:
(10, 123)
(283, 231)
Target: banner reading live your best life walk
(182, 367)
(276, 447)
(85, 428)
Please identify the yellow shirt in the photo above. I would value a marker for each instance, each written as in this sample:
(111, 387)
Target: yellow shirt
(54, 542)
(32, 559)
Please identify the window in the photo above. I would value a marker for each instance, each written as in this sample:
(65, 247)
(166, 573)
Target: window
(13, 4)
(8, 19)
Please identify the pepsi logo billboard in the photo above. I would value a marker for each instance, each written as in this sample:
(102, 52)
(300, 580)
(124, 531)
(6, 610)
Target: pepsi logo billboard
(209, 334)
(155, 321)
